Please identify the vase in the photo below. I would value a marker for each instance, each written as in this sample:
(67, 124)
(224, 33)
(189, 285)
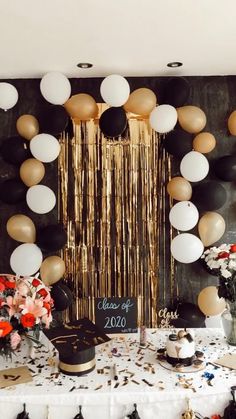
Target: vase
(229, 322)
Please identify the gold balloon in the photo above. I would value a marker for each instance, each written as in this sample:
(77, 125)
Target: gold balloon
(81, 106)
(179, 188)
(204, 142)
(21, 228)
(141, 101)
(191, 118)
(52, 269)
(32, 172)
(27, 126)
(211, 228)
(209, 302)
(232, 123)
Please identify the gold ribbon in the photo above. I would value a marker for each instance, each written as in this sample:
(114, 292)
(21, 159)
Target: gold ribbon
(77, 367)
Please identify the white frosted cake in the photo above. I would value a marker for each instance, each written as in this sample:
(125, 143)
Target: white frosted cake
(180, 348)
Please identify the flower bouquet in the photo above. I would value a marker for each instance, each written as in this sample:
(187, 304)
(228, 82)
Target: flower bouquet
(25, 307)
(221, 261)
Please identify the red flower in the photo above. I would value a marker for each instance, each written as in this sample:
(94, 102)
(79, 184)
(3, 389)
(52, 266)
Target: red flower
(233, 248)
(216, 417)
(43, 292)
(5, 329)
(27, 320)
(2, 279)
(36, 282)
(2, 287)
(47, 306)
(223, 255)
(10, 284)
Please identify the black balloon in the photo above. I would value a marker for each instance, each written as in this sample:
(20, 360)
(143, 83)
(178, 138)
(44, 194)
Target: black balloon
(176, 92)
(178, 143)
(225, 168)
(53, 120)
(209, 195)
(51, 238)
(192, 314)
(15, 150)
(12, 191)
(62, 296)
(113, 122)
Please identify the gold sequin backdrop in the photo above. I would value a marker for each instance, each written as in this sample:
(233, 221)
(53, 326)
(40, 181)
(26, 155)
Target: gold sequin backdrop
(114, 205)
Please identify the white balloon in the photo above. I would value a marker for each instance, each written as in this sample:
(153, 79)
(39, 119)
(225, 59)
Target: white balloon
(163, 118)
(8, 96)
(40, 199)
(186, 248)
(26, 259)
(55, 88)
(183, 215)
(45, 147)
(194, 166)
(115, 90)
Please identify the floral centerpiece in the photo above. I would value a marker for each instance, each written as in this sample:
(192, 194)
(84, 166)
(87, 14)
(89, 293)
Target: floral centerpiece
(221, 261)
(25, 307)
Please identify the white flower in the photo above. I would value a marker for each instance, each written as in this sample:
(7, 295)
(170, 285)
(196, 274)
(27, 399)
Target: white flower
(224, 263)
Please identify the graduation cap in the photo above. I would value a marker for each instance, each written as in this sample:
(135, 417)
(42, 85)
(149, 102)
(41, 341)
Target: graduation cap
(75, 342)
(24, 414)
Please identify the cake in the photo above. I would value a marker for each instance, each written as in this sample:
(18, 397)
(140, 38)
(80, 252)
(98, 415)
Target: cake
(180, 348)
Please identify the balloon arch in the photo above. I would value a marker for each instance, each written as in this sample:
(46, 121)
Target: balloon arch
(37, 145)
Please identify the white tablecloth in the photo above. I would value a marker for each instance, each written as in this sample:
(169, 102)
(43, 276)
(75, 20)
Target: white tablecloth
(158, 392)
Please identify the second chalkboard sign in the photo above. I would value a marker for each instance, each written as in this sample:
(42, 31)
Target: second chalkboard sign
(116, 315)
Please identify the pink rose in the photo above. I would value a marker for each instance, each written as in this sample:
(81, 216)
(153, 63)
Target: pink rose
(15, 340)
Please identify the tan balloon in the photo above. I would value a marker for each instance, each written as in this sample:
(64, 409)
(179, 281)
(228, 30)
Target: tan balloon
(27, 126)
(191, 118)
(204, 142)
(211, 228)
(21, 228)
(209, 302)
(179, 188)
(232, 123)
(52, 269)
(32, 172)
(141, 101)
(81, 106)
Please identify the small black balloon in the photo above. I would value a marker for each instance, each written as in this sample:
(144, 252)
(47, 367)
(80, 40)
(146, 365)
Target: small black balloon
(225, 168)
(15, 150)
(62, 296)
(51, 238)
(178, 143)
(12, 191)
(180, 323)
(192, 314)
(176, 92)
(113, 122)
(53, 119)
(209, 195)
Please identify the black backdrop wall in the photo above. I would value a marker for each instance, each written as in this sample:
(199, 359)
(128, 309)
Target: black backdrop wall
(216, 96)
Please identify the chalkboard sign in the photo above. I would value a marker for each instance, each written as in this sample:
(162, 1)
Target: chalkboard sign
(116, 315)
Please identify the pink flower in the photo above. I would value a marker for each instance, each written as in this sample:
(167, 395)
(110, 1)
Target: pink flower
(47, 320)
(23, 289)
(34, 307)
(13, 305)
(15, 340)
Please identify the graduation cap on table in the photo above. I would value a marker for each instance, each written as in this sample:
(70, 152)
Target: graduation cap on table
(75, 342)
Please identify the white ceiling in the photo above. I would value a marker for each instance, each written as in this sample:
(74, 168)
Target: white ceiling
(127, 37)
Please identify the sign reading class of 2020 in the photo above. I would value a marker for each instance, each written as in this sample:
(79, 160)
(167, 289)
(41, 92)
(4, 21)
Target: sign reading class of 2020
(116, 315)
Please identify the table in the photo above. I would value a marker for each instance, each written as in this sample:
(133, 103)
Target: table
(158, 392)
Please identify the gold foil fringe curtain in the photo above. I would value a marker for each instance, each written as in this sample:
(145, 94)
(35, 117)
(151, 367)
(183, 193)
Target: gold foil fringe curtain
(114, 205)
